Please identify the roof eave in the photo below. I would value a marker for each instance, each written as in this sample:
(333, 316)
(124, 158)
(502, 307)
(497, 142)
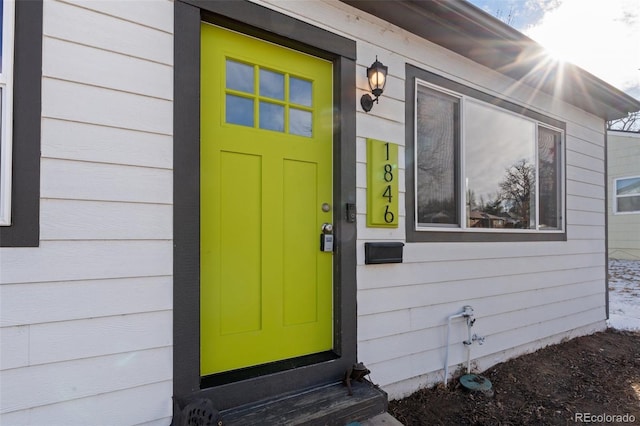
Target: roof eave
(465, 29)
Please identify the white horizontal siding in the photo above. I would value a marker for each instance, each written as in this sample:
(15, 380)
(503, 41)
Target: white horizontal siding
(94, 143)
(127, 407)
(96, 105)
(87, 315)
(141, 12)
(586, 175)
(81, 260)
(582, 232)
(406, 274)
(416, 253)
(65, 381)
(583, 161)
(497, 304)
(14, 350)
(46, 302)
(96, 220)
(80, 180)
(371, 126)
(459, 292)
(69, 61)
(587, 190)
(68, 340)
(586, 204)
(67, 21)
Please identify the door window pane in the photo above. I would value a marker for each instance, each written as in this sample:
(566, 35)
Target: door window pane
(276, 93)
(239, 110)
(436, 144)
(300, 91)
(239, 76)
(271, 84)
(271, 116)
(300, 122)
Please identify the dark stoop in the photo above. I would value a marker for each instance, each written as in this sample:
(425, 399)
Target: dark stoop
(328, 405)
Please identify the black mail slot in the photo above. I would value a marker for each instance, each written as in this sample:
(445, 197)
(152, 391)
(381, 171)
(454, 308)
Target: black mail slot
(382, 253)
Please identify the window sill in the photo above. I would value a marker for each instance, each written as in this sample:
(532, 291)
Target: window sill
(485, 235)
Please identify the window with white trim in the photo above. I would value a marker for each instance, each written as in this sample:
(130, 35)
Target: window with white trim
(6, 103)
(481, 166)
(627, 195)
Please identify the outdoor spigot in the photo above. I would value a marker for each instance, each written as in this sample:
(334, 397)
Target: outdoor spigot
(479, 339)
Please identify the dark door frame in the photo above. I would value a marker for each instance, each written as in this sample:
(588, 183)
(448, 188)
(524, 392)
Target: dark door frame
(258, 21)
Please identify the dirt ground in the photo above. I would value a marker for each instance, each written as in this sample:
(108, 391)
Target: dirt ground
(587, 378)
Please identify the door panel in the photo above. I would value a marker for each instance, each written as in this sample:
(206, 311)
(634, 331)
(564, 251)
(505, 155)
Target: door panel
(265, 172)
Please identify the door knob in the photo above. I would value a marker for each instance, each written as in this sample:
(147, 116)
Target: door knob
(327, 228)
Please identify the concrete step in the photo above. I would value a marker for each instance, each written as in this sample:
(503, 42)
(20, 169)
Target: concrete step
(384, 419)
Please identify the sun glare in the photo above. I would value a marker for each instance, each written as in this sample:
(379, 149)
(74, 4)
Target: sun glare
(574, 33)
(557, 53)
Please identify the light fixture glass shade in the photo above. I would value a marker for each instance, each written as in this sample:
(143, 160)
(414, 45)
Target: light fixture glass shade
(377, 76)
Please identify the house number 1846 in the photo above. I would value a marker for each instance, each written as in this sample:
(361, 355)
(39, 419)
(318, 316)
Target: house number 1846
(382, 184)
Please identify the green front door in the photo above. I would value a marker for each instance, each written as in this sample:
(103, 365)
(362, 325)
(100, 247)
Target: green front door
(266, 177)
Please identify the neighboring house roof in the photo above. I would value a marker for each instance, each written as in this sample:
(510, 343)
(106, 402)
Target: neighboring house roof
(633, 188)
(467, 30)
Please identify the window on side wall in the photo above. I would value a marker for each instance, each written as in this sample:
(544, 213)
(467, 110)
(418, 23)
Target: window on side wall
(483, 169)
(20, 122)
(6, 108)
(627, 195)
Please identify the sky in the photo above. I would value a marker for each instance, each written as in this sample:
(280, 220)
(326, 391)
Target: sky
(600, 36)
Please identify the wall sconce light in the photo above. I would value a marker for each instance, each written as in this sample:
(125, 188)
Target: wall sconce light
(377, 76)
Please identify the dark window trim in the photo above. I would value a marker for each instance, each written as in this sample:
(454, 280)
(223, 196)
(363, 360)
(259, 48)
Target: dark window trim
(24, 230)
(267, 24)
(413, 235)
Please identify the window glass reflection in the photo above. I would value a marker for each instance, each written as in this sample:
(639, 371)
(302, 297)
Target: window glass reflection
(629, 204)
(437, 135)
(239, 76)
(549, 176)
(500, 168)
(271, 84)
(271, 116)
(239, 110)
(300, 122)
(628, 186)
(628, 195)
(300, 91)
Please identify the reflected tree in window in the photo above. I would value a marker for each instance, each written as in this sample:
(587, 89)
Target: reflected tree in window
(517, 191)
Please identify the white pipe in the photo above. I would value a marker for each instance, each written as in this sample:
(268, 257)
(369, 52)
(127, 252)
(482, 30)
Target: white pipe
(468, 344)
(467, 311)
